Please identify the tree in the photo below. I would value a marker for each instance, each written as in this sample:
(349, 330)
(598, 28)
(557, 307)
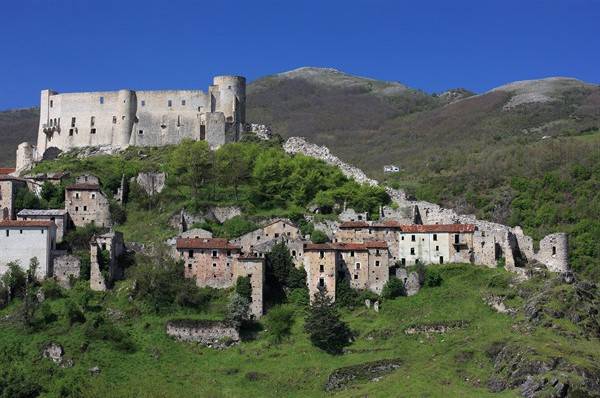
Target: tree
(393, 288)
(319, 236)
(238, 310)
(192, 164)
(279, 322)
(324, 326)
(232, 165)
(243, 287)
(14, 280)
(279, 264)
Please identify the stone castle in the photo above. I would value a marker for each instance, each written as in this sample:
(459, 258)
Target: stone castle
(118, 119)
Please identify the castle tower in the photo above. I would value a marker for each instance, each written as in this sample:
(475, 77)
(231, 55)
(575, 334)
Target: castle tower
(127, 109)
(45, 127)
(25, 157)
(231, 99)
(554, 252)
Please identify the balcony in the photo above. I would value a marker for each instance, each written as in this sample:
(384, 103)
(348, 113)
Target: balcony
(49, 130)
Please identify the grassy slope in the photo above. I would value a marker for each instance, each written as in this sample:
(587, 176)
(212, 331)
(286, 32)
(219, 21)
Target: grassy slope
(432, 365)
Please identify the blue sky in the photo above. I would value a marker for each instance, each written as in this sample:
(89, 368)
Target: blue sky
(78, 45)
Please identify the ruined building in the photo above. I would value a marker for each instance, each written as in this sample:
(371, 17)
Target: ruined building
(142, 118)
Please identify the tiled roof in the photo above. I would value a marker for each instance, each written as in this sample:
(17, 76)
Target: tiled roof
(205, 243)
(42, 212)
(83, 187)
(452, 228)
(354, 224)
(346, 246)
(7, 170)
(26, 223)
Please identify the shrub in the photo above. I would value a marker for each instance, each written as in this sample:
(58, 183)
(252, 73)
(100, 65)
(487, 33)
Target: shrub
(73, 313)
(299, 296)
(238, 310)
(51, 289)
(279, 322)
(393, 288)
(319, 236)
(99, 328)
(296, 278)
(14, 280)
(193, 297)
(325, 328)
(44, 316)
(433, 278)
(345, 296)
(117, 213)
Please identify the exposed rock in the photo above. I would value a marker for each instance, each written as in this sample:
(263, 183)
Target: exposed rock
(435, 327)
(497, 304)
(151, 183)
(222, 214)
(55, 353)
(412, 284)
(376, 306)
(367, 303)
(369, 371)
(94, 371)
(261, 131)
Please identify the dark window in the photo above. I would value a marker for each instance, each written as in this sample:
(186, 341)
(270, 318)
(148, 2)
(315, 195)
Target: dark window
(413, 238)
(456, 239)
(92, 120)
(403, 262)
(71, 132)
(412, 250)
(437, 248)
(321, 268)
(553, 250)
(377, 252)
(76, 208)
(183, 102)
(377, 263)
(293, 253)
(214, 265)
(51, 103)
(441, 260)
(277, 235)
(73, 122)
(351, 253)
(190, 265)
(21, 231)
(101, 100)
(143, 103)
(402, 238)
(93, 131)
(7, 232)
(114, 119)
(321, 281)
(141, 132)
(169, 103)
(321, 254)
(228, 253)
(202, 132)
(434, 236)
(355, 276)
(84, 208)
(214, 253)
(190, 253)
(357, 265)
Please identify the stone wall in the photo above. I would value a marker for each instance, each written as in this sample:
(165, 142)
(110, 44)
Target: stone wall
(211, 333)
(66, 267)
(151, 183)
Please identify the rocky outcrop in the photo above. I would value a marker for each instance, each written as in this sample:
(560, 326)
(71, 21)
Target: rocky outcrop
(151, 183)
(222, 214)
(215, 334)
(56, 354)
(369, 371)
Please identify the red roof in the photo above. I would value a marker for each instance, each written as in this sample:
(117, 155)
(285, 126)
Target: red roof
(387, 224)
(452, 228)
(26, 223)
(83, 187)
(346, 246)
(354, 224)
(7, 170)
(205, 243)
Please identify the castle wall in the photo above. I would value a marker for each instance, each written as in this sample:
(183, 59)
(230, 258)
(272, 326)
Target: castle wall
(554, 252)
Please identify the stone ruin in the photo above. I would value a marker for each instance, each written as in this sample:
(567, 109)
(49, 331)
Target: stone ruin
(216, 334)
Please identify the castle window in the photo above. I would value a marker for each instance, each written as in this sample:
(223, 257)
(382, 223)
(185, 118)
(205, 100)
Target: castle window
(190, 253)
(70, 132)
(321, 280)
(214, 265)
(413, 238)
(403, 262)
(214, 253)
(169, 103)
(228, 253)
(84, 208)
(21, 231)
(377, 263)
(402, 238)
(101, 100)
(7, 232)
(190, 265)
(143, 103)
(441, 260)
(412, 250)
(76, 208)
(554, 250)
(202, 132)
(437, 248)
(72, 122)
(456, 239)
(114, 119)
(434, 236)
(183, 102)
(93, 131)
(178, 121)
(293, 253)
(51, 103)
(141, 132)
(357, 265)
(92, 120)
(321, 254)
(93, 196)
(377, 252)
(76, 195)
(351, 253)
(277, 235)
(355, 276)
(321, 268)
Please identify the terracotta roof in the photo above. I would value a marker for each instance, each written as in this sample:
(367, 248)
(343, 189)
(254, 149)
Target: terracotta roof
(42, 212)
(452, 228)
(26, 223)
(6, 177)
(354, 224)
(205, 243)
(83, 187)
(7, 170)
(387, 224)
(346, 246)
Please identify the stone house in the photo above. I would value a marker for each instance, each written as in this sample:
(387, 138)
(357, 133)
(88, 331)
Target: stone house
(65, 268)
(85, 203)
(60, 217)
(365, 265)
(217, 263)
(436, 244)
(21, 240)
(8, 192)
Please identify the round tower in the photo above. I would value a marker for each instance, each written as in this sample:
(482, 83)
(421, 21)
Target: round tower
(554, 252)
(232, 98)
(126, 119)
(25, 157)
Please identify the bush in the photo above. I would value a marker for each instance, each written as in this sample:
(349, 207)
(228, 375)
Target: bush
(325, 328)
(433, 278)
(299, 297)
(117, 213)
(238, 310)
(15, 281)
(319, 236)
(73, 313)
(99, 328)
(393, 288)
(43, 316)
(16, 384)
(296, 278)
(279, 322)
(192, 296)
(51, 289)
(345, 296)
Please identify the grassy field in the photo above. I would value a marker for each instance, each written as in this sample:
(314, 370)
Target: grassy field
(449, 364)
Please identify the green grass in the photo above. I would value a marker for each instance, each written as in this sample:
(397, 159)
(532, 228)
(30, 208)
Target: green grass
(450, 364)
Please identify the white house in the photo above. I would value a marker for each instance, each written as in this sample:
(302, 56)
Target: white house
(22, 240)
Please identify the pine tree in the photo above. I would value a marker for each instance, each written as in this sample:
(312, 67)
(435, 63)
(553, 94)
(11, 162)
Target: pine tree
(324, 326)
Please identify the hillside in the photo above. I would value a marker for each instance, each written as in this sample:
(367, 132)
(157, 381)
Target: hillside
(16, 126)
